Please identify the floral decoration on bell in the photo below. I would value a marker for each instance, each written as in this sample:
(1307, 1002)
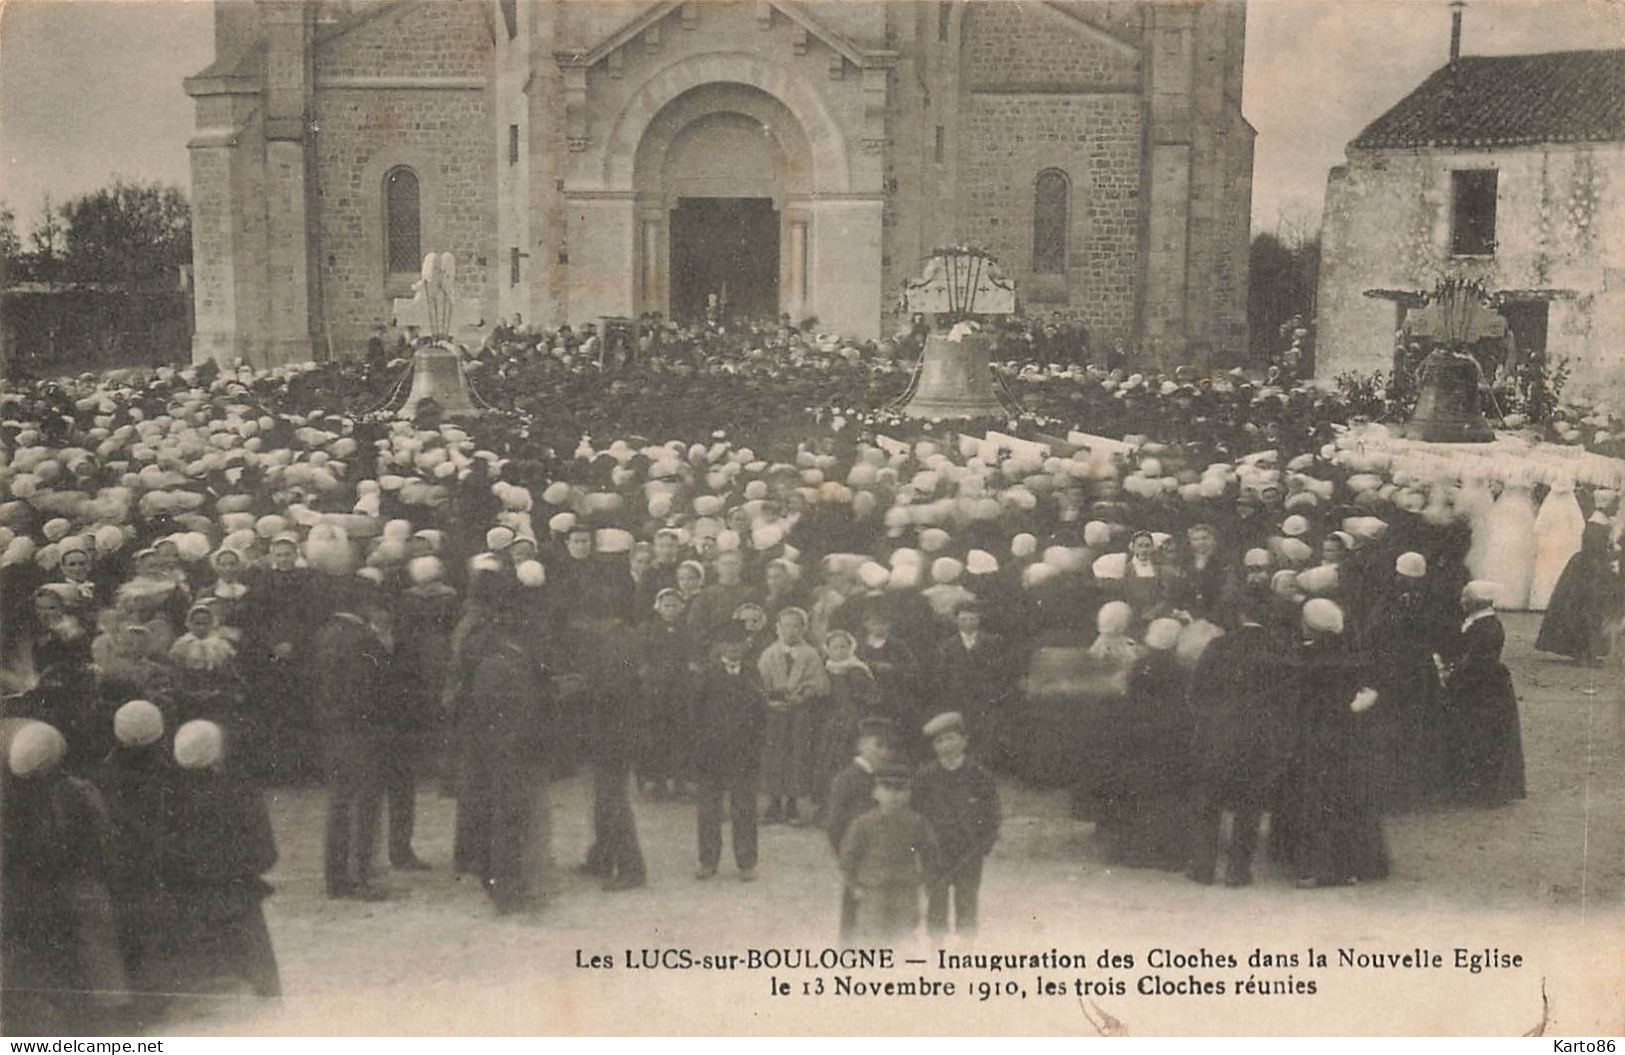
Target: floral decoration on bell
(959, 282)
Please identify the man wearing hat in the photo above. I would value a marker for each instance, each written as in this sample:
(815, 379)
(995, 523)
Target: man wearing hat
(727, 728)
(852, 793)
(957, 796)
(353, 656)
(887, 854)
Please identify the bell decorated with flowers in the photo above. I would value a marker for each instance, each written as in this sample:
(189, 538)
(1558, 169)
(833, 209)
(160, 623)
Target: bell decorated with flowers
(1450, 381)
(955, 377)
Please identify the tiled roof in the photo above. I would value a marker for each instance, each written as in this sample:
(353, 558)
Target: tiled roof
(1500, 100)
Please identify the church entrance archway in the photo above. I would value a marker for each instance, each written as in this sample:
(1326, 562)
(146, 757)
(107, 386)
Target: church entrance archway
(724, 177)
(727, 247)
(725, 125)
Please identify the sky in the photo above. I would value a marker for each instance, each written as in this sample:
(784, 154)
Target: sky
(90, 89)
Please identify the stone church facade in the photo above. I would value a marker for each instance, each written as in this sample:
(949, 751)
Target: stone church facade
(589, 158)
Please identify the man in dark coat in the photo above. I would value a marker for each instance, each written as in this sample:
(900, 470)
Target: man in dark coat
(958, 798)
(1237, 741)
(504, 721)
(727, 731)
(353, 657)
(282, 609)
(894, 666)
(429, 611)
(603, 650)
(973, 678)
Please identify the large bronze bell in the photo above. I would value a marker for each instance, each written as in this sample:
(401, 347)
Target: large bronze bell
(956, 380)
(1449, 402)
(437, 373)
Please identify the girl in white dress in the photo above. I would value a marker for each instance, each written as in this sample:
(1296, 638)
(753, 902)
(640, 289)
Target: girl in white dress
(1558, 527)
(1510, 531)
(1474, 502)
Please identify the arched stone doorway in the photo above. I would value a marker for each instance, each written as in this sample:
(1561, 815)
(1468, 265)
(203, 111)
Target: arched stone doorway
(727, 129)
(723, 175)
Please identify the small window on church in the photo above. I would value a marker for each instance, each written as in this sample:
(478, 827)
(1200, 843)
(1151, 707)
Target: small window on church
(510, 17)
(945, 13)
(513, 144)
(403, 242)
(1472, 226)
(1052, 193)
(513, 266)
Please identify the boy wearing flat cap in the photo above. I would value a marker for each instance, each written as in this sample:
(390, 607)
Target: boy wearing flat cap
(887, 854)
(960, 801)
(852, 793)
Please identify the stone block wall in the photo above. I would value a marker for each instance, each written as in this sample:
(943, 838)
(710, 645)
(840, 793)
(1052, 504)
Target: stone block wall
(1008, 46)
(1220, 190)
(443, 39)
(1005, 141)
(443, 133)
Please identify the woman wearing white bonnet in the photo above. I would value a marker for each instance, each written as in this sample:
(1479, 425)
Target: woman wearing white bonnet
(1486, 766)
(1331, 826)
(138, 723)
(221, 844)
(59, 934)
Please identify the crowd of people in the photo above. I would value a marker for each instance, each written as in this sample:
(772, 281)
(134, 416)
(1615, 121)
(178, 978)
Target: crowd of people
(215, 581)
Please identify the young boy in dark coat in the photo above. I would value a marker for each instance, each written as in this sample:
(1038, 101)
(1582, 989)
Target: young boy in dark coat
(887, 855)
(852, 794)
(957, 796)
(727, 723)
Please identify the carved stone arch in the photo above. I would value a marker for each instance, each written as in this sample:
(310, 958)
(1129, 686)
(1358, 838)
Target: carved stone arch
(826, 146)
(795, 176)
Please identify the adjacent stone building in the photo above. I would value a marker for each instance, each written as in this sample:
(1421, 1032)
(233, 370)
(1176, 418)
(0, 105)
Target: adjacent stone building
(1509, 169)
(588, 158)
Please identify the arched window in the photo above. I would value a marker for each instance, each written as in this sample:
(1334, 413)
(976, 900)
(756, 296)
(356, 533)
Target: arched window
(403, 226)
(1052, 204)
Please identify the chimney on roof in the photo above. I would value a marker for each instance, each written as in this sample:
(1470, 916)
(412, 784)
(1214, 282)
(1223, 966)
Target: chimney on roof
(1456, 8)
